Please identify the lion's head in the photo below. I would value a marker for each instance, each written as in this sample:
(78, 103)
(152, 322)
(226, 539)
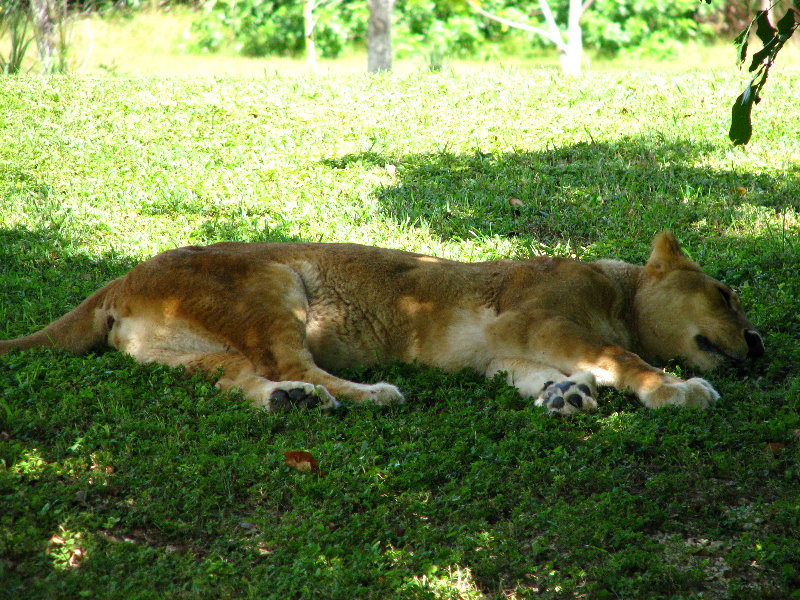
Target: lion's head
(682, 312)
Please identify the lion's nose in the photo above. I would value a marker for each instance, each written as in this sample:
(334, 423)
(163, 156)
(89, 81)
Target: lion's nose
(755, 346)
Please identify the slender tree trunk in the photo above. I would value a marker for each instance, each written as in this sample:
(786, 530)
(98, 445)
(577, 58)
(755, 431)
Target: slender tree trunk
(571, 59)
(308, 21)
(379, 35)
(43, 20)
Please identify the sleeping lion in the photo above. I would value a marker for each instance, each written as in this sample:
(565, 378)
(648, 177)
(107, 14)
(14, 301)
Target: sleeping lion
(276, 319)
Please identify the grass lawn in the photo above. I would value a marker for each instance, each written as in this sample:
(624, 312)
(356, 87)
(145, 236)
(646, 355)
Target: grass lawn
(119, 480)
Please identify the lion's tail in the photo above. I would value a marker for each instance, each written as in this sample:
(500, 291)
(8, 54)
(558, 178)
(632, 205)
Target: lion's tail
(79, 330)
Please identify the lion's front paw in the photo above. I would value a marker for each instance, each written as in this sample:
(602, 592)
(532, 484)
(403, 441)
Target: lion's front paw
(384, 394)
(695, 392)
(569, 396)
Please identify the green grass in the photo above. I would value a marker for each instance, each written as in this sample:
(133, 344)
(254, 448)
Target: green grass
(120, 480)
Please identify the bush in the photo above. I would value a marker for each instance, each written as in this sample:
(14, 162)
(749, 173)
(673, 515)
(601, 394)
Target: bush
(650, 25)
(14, 20)
(422, 24)
(262, 27)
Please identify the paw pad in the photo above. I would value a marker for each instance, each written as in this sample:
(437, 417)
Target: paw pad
(566, 397)
(293, 398)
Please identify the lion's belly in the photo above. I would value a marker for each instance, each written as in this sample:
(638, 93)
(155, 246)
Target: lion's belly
(162, 339)
(339, 338)
(451, 340)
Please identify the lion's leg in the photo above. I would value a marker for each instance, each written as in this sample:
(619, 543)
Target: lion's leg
(285, 356)
(567, 347)
(307, 385)
(252, 328)
(150, 337)
(238, 372)
(265, 323)
(380, 393)
(622, 369)
(558, 392)
(294, 362)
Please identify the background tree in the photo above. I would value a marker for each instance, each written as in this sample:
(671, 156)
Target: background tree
(50, 26)
(379, 35)
(278, 27)
(309, 24)
(571, 51)
(308, 21)
(451, 27)
(45, 22)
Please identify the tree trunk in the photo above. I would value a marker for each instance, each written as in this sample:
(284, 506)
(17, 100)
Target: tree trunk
(43, 20)
(571, 59)
(379, 35)
(308, 21)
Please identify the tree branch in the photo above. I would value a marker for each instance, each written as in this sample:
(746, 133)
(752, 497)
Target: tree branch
(555, 32)
(555, 39)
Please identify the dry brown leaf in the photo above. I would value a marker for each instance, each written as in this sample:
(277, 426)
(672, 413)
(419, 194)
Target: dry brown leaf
(774, 448)
(301, 461)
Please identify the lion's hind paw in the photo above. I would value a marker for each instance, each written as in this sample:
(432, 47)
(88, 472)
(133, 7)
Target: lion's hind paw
(301, 395)
(569, 396)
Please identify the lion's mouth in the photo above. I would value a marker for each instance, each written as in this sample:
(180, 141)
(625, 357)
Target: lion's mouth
(755, 347)
(706, 345)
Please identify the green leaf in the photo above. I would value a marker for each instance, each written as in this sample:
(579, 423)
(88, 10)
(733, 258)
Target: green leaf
(764, 30)
(788, 23)
(741, 127)
(742, 52)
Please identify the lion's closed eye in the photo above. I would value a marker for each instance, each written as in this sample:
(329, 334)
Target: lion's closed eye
(726, 296)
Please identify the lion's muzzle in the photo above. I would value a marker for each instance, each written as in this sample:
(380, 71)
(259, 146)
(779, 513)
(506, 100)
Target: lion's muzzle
(755, 345)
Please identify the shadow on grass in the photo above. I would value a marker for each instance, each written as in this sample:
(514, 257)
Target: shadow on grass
(42, 276)
(585, 192)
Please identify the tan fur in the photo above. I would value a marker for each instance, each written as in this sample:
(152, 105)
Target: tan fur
(275, 318)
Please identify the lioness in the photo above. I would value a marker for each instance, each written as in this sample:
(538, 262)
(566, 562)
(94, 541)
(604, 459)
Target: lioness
(276, 317)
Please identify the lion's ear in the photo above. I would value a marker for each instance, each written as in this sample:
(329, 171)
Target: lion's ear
(667, 256)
